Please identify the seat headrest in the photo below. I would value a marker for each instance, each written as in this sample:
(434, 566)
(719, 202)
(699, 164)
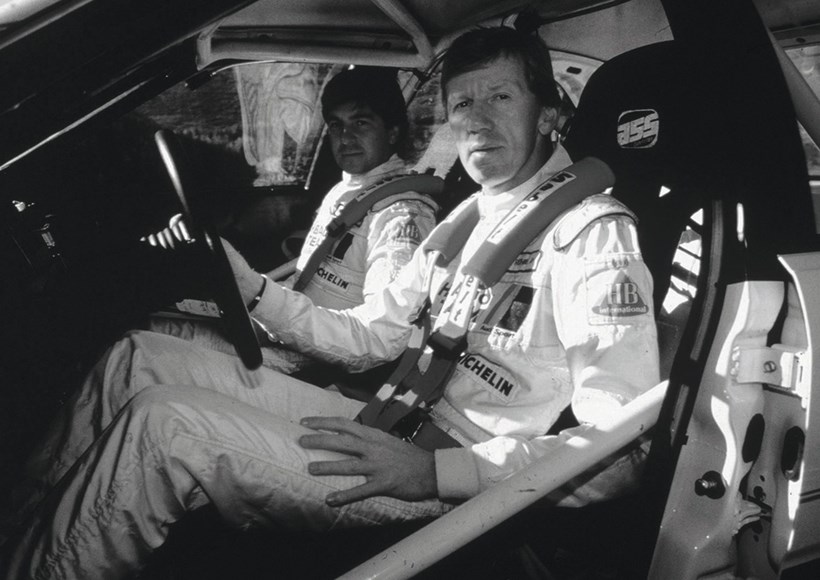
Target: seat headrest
(633, 115)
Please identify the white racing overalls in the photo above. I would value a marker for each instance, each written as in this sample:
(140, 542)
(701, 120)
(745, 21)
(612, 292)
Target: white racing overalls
(571, 321)
(366, 258)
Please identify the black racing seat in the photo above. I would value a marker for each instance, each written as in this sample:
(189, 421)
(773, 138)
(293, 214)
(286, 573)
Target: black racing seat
(646, 113)
(632, 115)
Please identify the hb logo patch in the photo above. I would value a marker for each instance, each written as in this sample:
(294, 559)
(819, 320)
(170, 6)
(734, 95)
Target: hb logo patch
(621, 298)
(613, 295)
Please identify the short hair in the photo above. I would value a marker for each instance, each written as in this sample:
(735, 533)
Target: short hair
(377, 88)
(477, 48)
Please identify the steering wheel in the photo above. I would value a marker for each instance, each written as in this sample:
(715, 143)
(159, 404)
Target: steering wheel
(235, 317)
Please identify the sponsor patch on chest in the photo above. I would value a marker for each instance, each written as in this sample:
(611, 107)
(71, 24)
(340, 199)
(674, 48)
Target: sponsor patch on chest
(332, 278)
(507, 315)
(314, 238)
(341, 248)
(488, 374)
(525, 262)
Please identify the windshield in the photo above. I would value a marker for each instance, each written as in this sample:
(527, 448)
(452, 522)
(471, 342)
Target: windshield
(269, 116)
(266, 114)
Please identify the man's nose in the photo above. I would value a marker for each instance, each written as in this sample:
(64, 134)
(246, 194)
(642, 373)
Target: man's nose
(348, 135)
(479, 118)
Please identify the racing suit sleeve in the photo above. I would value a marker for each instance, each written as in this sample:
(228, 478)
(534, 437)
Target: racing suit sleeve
(393, 235)
(602, 303)
(356, 338)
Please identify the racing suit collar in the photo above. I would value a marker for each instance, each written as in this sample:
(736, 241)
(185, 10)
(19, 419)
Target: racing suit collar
(395, 163)
(491, 204)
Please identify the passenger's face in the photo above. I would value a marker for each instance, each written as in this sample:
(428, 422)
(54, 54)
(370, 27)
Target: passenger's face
(359, 138)
(502, 133)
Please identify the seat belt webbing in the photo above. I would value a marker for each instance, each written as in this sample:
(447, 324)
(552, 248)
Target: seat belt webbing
(408, 388)
(353, 212)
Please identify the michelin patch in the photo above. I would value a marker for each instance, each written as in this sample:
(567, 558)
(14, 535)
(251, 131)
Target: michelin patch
(332, 278)
(617, 291)
(491, 376)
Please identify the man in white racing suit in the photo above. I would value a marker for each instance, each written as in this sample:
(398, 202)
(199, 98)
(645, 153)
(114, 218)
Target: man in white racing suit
(267, 449)
(366, 120)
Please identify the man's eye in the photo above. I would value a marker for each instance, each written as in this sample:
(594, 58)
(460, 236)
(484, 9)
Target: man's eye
(501, 97)
(461, 105)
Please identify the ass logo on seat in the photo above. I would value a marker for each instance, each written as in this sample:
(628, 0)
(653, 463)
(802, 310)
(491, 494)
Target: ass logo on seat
(638, 129)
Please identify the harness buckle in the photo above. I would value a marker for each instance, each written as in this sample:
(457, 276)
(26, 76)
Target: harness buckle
(410, 425)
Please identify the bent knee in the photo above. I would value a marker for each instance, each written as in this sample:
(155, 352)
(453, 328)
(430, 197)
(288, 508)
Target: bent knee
(161, 409)
(169, 400)
(148, 342)
(161, 414)
(159, 396)
(135, 345)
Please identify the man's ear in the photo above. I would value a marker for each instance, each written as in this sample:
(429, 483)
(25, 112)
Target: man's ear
(547, 120)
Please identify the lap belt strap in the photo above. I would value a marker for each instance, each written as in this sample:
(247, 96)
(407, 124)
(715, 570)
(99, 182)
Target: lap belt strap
(408, 390)
(355, 210)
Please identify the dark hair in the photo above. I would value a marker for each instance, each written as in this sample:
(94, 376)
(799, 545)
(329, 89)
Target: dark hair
(374, 87)
(476, 48)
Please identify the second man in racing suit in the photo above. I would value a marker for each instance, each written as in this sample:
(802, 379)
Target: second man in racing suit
(366, 120)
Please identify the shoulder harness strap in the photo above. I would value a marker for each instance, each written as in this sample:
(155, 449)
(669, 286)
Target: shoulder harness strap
(353, 212)
(516, 231)
(450, 235)
(493, 257)
(533, 215)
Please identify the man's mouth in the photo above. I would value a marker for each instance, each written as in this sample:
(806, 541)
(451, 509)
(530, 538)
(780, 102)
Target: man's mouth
(482, 149)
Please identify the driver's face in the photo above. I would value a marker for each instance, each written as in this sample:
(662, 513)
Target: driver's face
(359, 138)
(501, 130)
